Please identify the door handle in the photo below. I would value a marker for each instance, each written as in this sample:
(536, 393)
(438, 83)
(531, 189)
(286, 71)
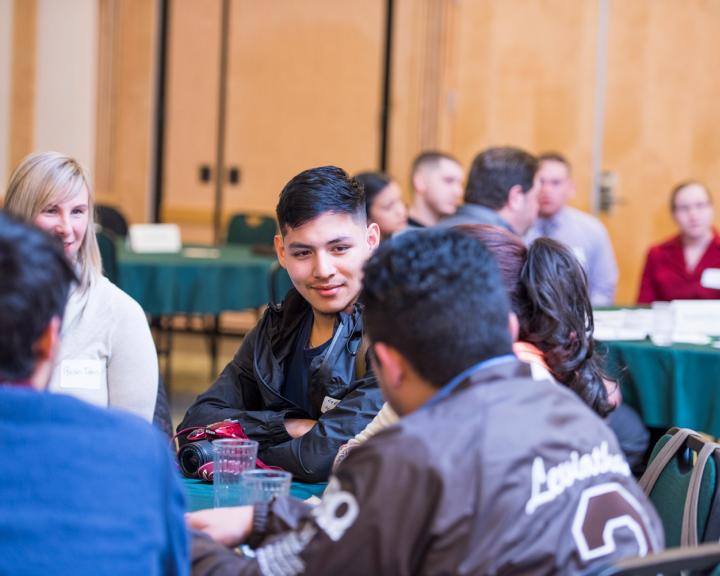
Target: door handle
(205, 173)
(233, 175)
(607, 197)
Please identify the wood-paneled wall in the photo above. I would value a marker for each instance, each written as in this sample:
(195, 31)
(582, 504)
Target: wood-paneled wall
(663, 118)
(127, 48)
(22, 90)
(304, 88)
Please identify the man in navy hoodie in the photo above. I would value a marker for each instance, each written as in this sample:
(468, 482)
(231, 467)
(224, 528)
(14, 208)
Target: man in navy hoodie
(85, 490)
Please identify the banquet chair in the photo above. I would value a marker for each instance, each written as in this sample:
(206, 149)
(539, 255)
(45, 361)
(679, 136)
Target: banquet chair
(110, 218)
(691, 560)
(251, 229)
(682, 482)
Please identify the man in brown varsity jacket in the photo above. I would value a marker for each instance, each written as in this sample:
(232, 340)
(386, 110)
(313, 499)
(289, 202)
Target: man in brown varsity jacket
(487, 472)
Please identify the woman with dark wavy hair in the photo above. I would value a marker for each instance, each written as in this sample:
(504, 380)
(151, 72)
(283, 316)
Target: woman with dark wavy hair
(548, 293)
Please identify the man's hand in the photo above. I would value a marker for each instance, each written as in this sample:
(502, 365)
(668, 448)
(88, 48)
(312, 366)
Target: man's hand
(297, 427)
(228, 526)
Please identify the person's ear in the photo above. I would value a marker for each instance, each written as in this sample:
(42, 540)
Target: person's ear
(516, 198)
(373, 236)
(47, 345)
(280, 249)
(513, 326)
(418, 183)
(391, 363)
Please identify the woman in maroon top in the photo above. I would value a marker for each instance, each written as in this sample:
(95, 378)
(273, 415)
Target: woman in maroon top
(680, 268)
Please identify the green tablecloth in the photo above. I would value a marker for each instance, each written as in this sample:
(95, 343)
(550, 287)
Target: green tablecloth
(675, 385)
(226, 278)
(200, 494)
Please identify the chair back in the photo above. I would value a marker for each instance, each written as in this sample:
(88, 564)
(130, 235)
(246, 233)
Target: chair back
(278, 283)
(682, 482)
(689, 560)
(111, 219)
(251, 229)
(108, 255)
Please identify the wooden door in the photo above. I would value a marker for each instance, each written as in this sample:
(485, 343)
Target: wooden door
(662, 121)
(193, 76)
(304, 90)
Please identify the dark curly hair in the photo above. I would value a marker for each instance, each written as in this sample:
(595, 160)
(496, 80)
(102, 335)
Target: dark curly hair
(548, 290)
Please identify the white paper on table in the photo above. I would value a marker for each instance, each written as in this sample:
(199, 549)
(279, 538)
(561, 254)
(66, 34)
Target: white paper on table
(201, 252)
(701, 317)
(154, 238)
(623, 324)
(691, 338)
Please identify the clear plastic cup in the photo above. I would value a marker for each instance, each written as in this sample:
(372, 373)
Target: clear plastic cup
(264, 485)
(232, 457)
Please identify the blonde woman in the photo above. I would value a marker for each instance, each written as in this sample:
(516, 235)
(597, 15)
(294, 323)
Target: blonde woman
(107, 356)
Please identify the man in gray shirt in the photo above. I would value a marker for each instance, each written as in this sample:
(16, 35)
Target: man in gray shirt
(502, 190)
(584, 234)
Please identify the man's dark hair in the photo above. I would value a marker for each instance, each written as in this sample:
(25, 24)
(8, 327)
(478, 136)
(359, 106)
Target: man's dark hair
(373, 183)
(318, 191)
(494, 171)
(35, 280)
(436, 296)
(554, 157)
(430, 157)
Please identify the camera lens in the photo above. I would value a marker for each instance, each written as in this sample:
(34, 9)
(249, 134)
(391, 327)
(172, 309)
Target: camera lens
(193, 455)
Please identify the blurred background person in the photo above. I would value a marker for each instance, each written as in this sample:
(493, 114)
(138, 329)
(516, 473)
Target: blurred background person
(384, 203)
(687, 266)
(584, 234)
(502, 190)
(437, 180)
(107, 356)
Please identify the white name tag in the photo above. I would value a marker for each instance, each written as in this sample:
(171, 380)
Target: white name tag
(328, 404)
(82, 374)
(710, 278)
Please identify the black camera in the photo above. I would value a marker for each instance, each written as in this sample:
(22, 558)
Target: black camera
(193, 455)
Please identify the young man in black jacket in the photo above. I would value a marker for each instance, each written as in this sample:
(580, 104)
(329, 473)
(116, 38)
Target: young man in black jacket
(296, 384)
(488, 471)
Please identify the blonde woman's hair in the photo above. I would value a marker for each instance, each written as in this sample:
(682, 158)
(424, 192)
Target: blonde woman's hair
(47, 178)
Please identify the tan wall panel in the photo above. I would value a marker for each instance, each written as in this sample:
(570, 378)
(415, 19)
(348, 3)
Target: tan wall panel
(663, 117)
(191, 108)
(6, 38)
(126, 88)
(22, 97)
(422, 65)
(525, 76)
(304, 89)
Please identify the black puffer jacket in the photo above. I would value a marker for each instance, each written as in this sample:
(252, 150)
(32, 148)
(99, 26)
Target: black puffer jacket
(249, 389)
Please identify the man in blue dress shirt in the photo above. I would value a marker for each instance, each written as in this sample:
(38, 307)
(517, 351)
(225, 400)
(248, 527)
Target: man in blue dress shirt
(584, 234)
